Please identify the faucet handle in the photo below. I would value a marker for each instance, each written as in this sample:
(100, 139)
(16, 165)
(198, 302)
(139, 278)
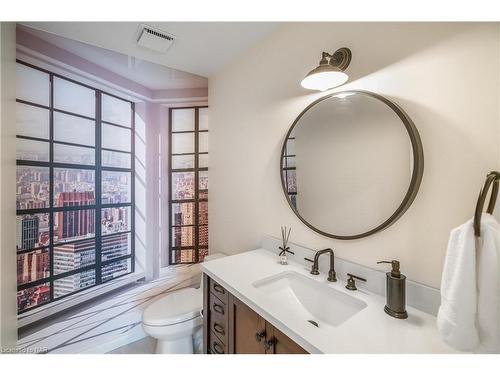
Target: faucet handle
(314, 269)
(351, 283)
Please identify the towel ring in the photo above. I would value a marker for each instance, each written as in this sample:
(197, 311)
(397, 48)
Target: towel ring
(491, 178)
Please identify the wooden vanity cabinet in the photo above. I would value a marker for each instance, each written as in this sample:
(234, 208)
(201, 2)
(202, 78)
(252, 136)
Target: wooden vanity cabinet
(231, 327)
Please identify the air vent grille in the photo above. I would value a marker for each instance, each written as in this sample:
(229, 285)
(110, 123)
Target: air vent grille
(158, 33)
(154, 39)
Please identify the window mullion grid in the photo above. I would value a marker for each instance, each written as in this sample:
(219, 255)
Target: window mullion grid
(171, 261)
(132, 190)
(98, 185)
(196, 187)
(51, 186)
(51, 210)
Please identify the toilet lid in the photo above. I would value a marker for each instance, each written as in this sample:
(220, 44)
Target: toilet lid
(176, 307)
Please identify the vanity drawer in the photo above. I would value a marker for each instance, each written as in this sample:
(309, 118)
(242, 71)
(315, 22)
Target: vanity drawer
(219, 291)
(218, 325)
(215, 345)
(217, 307)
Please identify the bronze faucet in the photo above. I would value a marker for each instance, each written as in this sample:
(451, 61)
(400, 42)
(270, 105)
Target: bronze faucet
(332, 276)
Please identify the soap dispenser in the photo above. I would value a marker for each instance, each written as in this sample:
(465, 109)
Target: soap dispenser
(395, 290)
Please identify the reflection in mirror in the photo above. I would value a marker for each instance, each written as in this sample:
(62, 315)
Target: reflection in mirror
(348, 164)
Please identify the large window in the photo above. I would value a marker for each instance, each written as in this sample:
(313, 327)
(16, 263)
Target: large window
(188, 166)
(75, 187)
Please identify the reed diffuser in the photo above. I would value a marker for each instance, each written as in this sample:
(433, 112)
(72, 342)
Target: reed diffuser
(285, 235)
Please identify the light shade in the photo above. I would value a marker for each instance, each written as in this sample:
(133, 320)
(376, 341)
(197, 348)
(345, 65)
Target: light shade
(324, 77)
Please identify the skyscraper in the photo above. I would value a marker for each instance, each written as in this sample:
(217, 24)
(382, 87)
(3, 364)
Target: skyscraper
(27, 232)
(79, 222)
(69, 257)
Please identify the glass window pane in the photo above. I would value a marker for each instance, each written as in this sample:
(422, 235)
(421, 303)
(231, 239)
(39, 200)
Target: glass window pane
(203, 187)
(115, 159)
(116, 111)
(290, 180)
(203, 119)
(72, 256)
(33, 266)
(183, 236)
(203, 160)
(202, 253)
(290, 147)
(32, 188)
(183, 256)
(32, 231)
(182, 213)
(116, 187)
(31, 297)
(115, 220)
(74, 154)
(183, 119)
(203, 213)
(74, 129)
(183, 185)
(32, 85)
(113, 270)
(203, 142)
(116, 138)
(27, 149)
(74, 187)
(73, 283)
(289, 162)
(182, 161)
(32, 121)
(74, 225)
(203, 235)
(182, 143)
(71, 97)
(116, 246)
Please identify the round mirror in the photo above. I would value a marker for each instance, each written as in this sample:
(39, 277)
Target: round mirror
(351, 164)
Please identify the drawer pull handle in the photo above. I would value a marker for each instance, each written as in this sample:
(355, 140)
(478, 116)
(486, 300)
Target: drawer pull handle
(218, 328)
(268, 344)
(260, 336)
(216, 350)
(219, 289)
(218, 308)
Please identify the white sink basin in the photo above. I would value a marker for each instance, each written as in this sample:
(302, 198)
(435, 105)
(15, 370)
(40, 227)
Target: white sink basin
(308, 300)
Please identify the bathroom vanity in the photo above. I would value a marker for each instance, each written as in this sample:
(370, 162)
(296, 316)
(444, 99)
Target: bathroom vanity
(253, 304)
(231, 327)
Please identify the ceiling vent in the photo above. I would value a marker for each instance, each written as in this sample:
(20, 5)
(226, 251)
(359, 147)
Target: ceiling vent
(154, 39)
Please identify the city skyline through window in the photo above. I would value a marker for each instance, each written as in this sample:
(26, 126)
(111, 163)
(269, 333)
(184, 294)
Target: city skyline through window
(188, 173)
(74, 187)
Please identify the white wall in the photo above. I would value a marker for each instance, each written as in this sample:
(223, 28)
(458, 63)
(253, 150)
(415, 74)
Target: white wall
(8, 310)
(445, 76)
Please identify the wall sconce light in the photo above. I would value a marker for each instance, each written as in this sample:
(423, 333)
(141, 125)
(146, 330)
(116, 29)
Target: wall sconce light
(330, 72)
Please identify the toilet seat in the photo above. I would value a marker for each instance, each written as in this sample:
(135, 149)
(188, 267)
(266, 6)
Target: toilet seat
(178, 307)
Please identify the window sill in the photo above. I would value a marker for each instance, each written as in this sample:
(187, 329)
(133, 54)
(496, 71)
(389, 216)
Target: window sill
(56, 307)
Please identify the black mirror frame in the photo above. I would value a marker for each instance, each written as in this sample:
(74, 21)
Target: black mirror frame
(417, 173)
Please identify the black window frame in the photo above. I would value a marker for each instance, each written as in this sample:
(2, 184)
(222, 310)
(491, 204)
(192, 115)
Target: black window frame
(196, 200)
(98, 206)
(292, 195)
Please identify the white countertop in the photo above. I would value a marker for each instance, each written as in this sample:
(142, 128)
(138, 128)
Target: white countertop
(370, 330)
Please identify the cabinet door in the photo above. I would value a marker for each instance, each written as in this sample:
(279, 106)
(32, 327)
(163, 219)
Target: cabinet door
(279, 343)
(245, 325)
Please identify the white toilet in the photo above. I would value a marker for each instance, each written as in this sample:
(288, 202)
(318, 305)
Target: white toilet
(175, 320)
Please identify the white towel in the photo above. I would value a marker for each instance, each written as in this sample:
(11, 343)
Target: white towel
(488, 286)
(468, 318)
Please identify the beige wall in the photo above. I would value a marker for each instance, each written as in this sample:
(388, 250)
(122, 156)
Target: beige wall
(8, 317)
(445, 76)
